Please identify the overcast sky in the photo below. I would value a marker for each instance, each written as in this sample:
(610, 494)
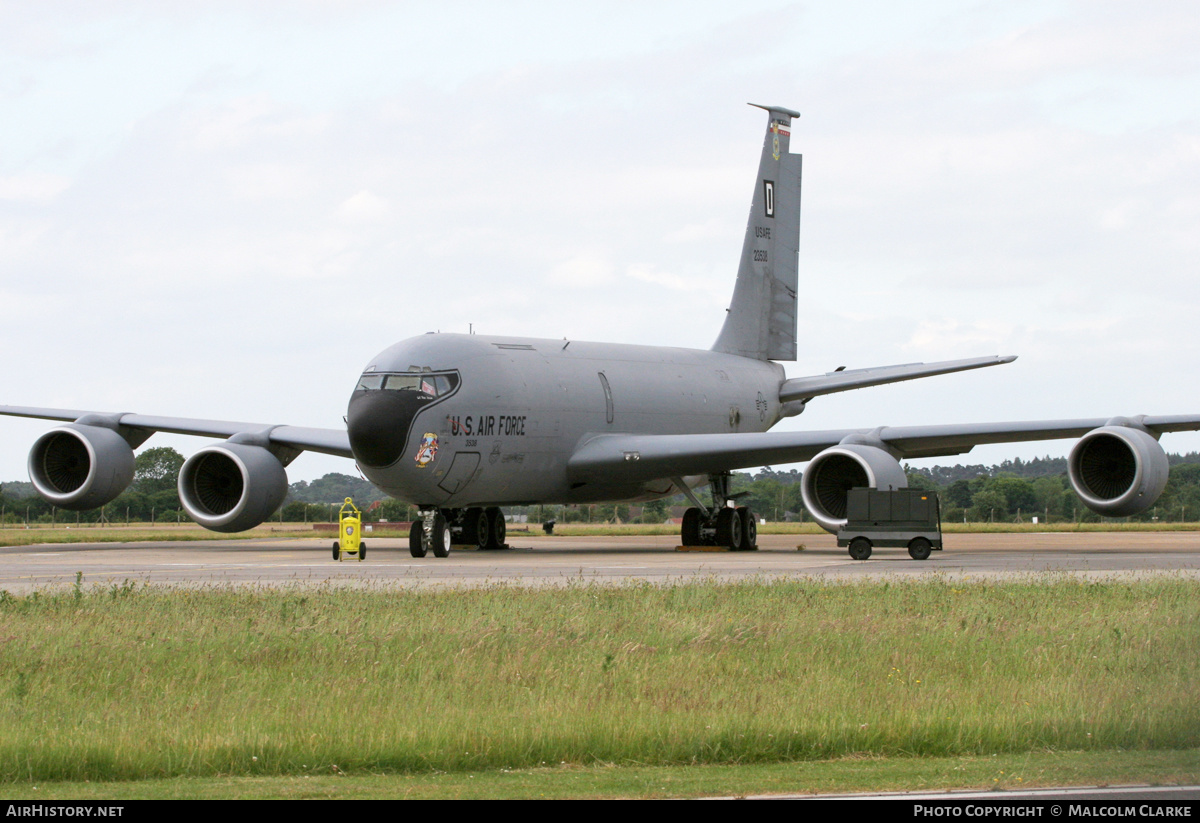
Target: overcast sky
(224, 210)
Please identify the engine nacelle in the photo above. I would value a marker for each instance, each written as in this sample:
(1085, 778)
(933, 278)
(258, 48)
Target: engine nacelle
(232, 487)
(837, 470)
(80, 467)
(1118, 470)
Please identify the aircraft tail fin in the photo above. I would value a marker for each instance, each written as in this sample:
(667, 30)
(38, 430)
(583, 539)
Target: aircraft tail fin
(761, 322)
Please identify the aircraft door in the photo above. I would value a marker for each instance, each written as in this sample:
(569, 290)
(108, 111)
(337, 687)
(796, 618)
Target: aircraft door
(460, 473)
(608, 398)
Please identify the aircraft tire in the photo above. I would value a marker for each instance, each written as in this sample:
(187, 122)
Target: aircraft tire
(362, 550)
(860, 548)
(689, 532)
(919, 548)
(337, 550)
(749, 529)
(442, 538)
(416, 540)
(497, 528)
(729, 529)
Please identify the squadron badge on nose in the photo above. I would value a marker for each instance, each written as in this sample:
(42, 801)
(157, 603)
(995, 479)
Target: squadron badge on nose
(427, 450)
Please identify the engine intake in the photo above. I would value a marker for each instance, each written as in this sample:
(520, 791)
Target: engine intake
(837, 470)
(232, 487)
(80, 467)
(1118, 470)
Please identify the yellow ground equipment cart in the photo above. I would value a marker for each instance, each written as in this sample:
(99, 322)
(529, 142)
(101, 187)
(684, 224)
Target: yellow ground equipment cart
(349, 540)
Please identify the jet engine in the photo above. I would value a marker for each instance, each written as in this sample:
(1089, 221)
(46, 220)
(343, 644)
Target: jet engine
(1118, 470)
(80, 467)
(833, 472)
(232, 487)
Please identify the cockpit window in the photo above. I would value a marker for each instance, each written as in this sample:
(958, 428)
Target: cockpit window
(404, 382)
(430, 385)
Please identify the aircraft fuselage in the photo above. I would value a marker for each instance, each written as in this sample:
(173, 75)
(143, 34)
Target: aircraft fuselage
(472, 420)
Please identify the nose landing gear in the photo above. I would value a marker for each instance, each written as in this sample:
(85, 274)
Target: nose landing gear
(442, 529)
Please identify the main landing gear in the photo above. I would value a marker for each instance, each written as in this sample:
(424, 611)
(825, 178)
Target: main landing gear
(722, 524)
(440, 529)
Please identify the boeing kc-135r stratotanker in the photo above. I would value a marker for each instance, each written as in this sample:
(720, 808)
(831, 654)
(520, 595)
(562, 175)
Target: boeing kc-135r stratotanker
(461, 425)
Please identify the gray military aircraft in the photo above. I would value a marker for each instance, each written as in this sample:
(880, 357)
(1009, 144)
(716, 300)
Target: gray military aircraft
(463, 424)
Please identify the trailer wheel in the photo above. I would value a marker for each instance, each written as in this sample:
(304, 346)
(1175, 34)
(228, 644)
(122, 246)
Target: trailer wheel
(337, 550)
(362, 550)
(919, 548)
(860, 548)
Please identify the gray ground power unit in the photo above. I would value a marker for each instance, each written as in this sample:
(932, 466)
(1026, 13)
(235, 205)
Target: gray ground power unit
(905, 517)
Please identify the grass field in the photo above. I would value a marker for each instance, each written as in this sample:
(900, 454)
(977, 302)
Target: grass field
(841, 775)
(132, 684)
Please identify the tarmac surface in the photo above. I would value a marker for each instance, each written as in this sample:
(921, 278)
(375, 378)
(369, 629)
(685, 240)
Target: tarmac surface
(537, 560)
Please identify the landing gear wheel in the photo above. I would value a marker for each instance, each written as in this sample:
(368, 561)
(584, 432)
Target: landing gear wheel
(749, 529)
(442, 538)
(337, 550)
(416, 539)
(362, 550)
(919, 548)
(689, 533)
(860, 548)
(729, 529)
(475, 528)
(497, 529)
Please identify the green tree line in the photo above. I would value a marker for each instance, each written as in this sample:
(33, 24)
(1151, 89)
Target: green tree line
(1006, 492)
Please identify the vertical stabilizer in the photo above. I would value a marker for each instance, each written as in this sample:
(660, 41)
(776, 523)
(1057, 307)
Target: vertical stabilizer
(762, 316)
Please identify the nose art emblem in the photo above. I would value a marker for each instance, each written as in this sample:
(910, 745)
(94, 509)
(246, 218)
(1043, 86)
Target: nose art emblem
(428, 450)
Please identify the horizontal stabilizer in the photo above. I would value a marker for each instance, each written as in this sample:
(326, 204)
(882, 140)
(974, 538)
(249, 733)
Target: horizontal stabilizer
(804, 388)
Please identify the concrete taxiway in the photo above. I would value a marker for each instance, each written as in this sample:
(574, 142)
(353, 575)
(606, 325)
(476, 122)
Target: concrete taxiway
(540, 560)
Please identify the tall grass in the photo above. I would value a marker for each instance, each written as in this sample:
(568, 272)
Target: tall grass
(126, 682)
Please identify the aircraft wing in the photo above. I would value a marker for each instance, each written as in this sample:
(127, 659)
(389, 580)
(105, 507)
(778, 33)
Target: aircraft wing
(325, 441)
(632, 457)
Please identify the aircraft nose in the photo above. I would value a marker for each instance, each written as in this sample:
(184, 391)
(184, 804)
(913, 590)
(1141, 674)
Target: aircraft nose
(378, 423)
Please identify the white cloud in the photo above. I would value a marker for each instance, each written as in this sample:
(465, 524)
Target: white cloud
(670, 280)
(250, 120)
(582, 272)
(955, 335)
(364, 207)
(984, 178)
(268, 181)
(33, 188)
